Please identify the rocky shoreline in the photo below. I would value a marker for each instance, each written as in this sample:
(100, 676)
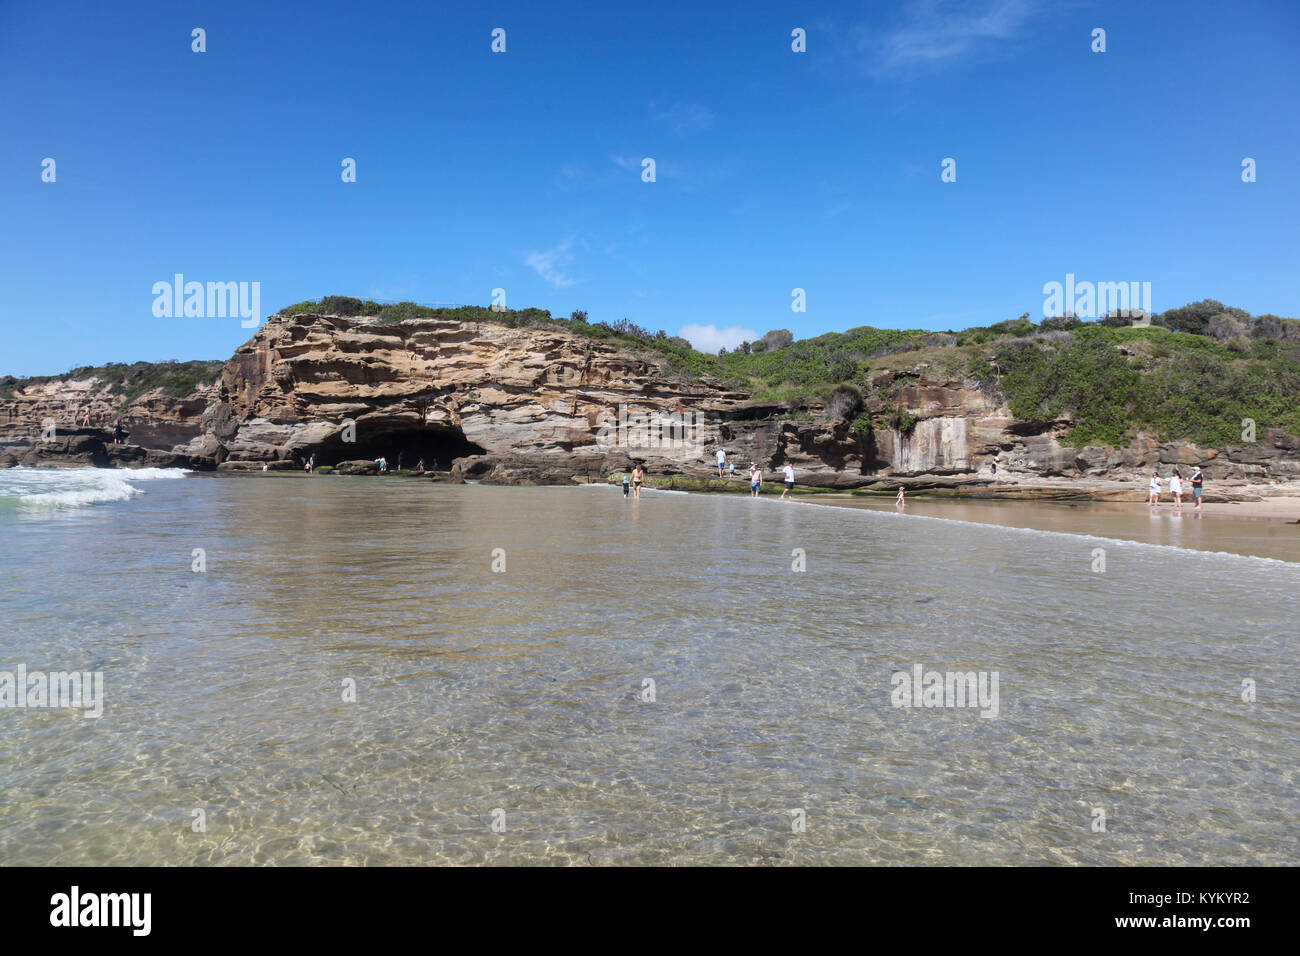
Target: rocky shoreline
(541, 405)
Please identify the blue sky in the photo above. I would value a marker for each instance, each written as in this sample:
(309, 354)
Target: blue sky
(522, 170)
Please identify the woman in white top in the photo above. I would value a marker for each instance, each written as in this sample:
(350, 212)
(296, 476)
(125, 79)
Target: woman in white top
(1176, 488)
(1153, 496)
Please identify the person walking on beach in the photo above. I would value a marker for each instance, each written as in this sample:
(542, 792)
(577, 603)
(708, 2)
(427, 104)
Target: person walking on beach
(901, 500)
(1198, 480)
(722, 461)
(1153, 492)
(731, 470)
(627, 485)
(755, 480)
(1176, 488)
(787, 474)
(638, 479)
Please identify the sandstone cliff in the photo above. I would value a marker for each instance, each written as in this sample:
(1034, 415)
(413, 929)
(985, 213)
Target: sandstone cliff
(69, 419)
(546, 404)
(543, 403)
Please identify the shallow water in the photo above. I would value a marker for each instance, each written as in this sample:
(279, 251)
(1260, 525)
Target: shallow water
(521, 690)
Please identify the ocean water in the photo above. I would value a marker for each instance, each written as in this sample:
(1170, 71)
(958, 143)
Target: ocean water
(501, 644)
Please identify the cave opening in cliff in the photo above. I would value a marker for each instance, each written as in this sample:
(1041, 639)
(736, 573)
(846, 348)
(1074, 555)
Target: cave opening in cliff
(436, 447)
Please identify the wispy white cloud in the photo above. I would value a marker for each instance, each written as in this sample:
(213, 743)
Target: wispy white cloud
(710, 338)
(938, 33)
(682, 118)
(552, 264)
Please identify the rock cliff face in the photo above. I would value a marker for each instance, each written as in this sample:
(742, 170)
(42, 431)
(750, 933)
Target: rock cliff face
(543, 404)
(42, 423)
(530, 404)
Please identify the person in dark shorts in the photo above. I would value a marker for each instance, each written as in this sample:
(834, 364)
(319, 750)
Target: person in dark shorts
(638, 479)
(118, 434)
(627, 485)
(787, 475)
(1198, 482)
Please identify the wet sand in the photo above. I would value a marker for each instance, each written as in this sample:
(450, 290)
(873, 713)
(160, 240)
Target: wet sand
(1264, 529)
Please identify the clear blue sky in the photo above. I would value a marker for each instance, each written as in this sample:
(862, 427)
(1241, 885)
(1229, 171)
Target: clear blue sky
(522, 170)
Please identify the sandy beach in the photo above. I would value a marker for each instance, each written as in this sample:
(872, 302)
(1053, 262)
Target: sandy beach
(1266, 528)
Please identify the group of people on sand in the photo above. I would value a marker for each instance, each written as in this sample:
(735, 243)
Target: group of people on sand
(756, 475)
(632, 484)
(1176, 487)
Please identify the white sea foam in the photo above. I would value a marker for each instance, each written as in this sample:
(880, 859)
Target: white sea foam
(45, 488)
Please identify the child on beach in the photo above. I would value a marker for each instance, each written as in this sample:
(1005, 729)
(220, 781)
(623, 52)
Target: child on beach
(627, 485)
(901, 499)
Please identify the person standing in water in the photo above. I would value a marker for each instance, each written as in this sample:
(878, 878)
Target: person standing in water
(638, 479)
(627, 485)
(787, 473)
(722, 461)
(901, 499)
(755, 480)
(1198, 482)
(1153, 489)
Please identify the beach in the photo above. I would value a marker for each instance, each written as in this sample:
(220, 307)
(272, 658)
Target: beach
(1264, 528)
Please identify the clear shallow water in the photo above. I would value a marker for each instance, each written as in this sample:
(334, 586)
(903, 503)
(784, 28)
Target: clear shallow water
(520, 690)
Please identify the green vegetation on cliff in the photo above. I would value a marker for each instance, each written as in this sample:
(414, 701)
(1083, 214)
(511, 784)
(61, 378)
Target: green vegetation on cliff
(1194, 373)
(129, 381)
